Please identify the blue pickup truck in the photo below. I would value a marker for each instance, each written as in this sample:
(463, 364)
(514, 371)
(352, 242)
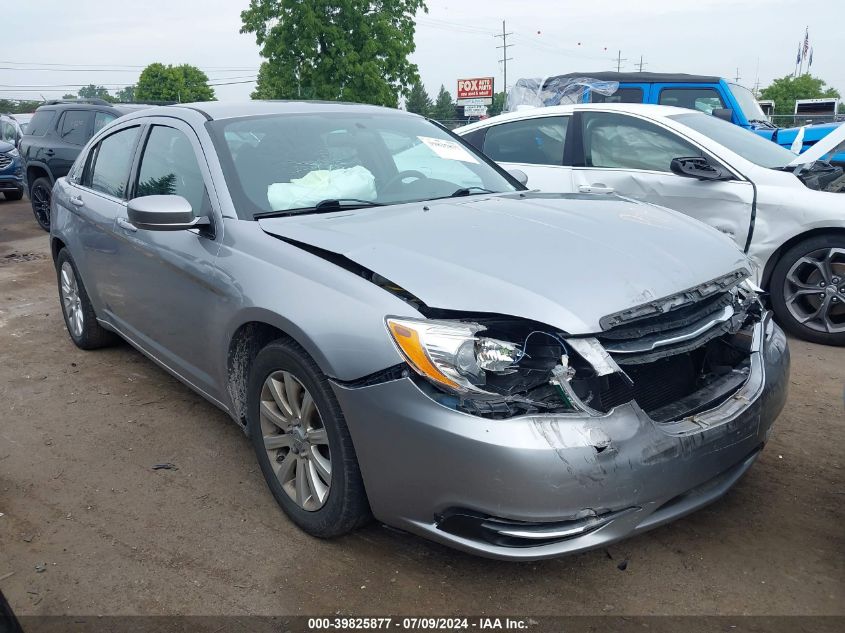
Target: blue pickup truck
(714, 95)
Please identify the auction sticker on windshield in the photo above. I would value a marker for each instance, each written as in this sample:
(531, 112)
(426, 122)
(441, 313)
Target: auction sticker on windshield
(450, 150)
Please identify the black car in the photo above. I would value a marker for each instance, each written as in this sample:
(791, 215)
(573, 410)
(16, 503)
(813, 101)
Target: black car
(53, 140)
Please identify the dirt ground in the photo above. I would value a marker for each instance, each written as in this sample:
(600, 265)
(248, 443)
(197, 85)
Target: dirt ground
(88, 527)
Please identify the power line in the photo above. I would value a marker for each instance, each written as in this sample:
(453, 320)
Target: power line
(505, 59)
(110, 66)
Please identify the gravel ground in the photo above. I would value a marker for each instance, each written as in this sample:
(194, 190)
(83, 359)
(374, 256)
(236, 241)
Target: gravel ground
(88, 527)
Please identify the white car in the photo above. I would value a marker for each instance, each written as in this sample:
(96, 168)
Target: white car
(783, 210)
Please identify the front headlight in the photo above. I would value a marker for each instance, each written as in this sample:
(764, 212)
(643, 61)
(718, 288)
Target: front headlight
(451, 354)
(13, 152)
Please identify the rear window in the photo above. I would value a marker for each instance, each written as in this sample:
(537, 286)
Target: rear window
(40, 122)
(623, 95)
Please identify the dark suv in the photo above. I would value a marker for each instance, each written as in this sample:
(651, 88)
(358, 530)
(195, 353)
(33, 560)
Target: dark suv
(53, 140)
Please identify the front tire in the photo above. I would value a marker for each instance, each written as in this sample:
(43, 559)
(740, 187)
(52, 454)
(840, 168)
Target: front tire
(807, 288)
(40, 195)
(80, 320)
(302, 443)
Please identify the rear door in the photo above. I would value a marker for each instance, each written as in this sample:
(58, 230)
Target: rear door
(97, 190)
(534, 145)
(629, 155)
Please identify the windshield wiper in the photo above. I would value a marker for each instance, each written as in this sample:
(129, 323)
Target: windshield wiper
(768, 124)
(466, 191)
(329, 205)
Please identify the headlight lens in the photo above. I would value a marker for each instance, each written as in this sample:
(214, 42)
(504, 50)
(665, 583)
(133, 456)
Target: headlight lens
(451, 354)
(13, 152)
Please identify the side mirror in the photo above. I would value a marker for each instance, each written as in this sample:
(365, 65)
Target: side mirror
(163, 213)
(519, 175)
(698, 167)
(726, 114)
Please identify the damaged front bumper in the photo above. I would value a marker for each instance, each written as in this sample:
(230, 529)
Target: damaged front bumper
(543, 485)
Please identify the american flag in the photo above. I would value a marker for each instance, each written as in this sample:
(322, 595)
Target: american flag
(806, 44)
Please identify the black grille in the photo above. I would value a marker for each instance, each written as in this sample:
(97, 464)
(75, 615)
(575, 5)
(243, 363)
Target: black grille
(655, 384)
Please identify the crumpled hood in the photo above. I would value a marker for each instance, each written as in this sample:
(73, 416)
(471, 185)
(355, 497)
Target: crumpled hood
(823, 146)
(563, 260)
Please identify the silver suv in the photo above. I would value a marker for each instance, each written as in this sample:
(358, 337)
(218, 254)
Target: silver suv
(404, 331)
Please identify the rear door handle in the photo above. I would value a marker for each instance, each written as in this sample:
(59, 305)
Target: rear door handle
(126, 225)
(595, 189)
(77, 201)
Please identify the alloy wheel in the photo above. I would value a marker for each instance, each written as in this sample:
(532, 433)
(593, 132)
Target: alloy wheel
(814, 290)
(71, 300)
(295, 440)
(41, 205)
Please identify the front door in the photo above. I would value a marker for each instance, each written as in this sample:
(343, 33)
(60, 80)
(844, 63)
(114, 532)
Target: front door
(630, 156)
(171, 280)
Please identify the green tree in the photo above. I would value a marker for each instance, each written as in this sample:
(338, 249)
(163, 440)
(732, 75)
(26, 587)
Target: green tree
(498, 105)
(786, 90)
(15, 106)
(126, 95)
(418, 100)
(183, 83)
(444, 106)
(95, 92)
(351, 50)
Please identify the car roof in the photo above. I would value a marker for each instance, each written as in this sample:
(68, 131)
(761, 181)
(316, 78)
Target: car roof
(217, 110)
(646, 109)
(644, 77)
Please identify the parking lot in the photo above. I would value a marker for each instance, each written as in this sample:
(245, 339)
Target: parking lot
(89, 527)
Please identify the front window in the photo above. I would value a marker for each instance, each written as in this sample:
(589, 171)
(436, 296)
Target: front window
(618, 141)
(747, 144)
(295, 161)
(747, 103)
(169, 167)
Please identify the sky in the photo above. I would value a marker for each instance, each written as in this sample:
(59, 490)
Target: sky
(108, 42)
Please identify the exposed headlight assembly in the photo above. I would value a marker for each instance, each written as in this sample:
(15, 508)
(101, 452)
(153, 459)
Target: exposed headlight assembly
(451, 354)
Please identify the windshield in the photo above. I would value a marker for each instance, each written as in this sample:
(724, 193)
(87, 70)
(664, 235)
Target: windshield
(747, 103)
(295, 161)
(747, 144)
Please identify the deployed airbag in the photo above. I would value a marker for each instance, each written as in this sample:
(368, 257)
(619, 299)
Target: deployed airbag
(322, 184)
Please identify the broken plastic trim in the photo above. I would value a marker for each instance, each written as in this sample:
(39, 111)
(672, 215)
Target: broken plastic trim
(512, 533)
(672, 302)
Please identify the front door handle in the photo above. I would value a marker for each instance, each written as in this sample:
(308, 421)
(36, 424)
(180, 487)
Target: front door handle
(77, 201)
(126, 225)
(597, 188)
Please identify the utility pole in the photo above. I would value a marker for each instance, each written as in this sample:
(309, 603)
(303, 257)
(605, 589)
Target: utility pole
(737, 75)
(505, 59)
(641, 64)
(619, 60)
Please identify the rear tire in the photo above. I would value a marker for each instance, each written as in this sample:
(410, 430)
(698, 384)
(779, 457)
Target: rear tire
(807, 290)
(80, 320)
(299, 436)
(40, 194)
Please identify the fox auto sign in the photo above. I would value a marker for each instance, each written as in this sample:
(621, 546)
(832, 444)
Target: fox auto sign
(478, 88)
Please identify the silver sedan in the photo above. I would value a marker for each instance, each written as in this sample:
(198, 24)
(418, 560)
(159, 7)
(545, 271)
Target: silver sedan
(406, 333)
